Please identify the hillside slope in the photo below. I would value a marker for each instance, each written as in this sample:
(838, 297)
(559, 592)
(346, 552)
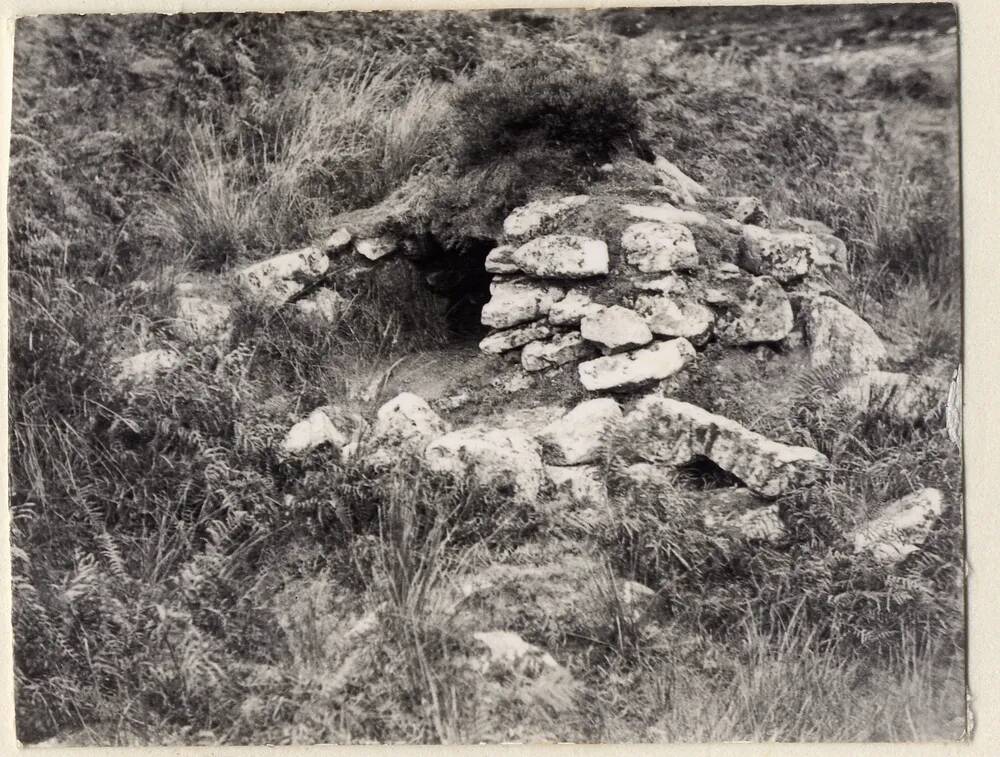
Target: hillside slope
(191, 566)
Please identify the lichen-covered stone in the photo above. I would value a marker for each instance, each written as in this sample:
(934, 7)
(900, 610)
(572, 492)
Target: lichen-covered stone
(280, 278)
(405, 424)
(572, 309)
(563, 348)
(665, 213)
(313, 431)
(562, 256)
(634, 369)
(900, 528)
(785, 255)
(499, 260)
(659, 247)
(510, 339)
(668, 431)
(756, 310)
(201, 321)
(376, 248)
(579, 436)
(507, 461)
(519, 301)
(325, 306)
(616, 329)
(839, 337)
(668, 315)
(537, 217)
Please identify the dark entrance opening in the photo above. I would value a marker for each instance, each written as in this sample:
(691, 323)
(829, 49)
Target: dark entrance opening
(458, 273)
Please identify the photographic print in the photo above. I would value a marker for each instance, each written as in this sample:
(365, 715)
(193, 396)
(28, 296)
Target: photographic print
(482, 377)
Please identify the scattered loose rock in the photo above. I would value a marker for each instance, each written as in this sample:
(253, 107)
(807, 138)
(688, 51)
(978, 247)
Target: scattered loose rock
(901, 528)
(313, 431)
(145, 366)
(376, 248)
(665, 213)
(201, 321)
(280, 278)
(324, 305)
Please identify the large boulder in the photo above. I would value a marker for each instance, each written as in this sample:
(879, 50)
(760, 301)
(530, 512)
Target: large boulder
(671, 432)
(201, 321)
(276, 280)
(901, 528)
(405, 424)
(665, 213)
(562, 256)
(563, 348)
(658, 247)
(634, 369)
(838, 337)
(537, 217)
(572, 309)
(785, 255)
(507, 461)
(579, 436)
(616, 329)
(668, 315)
(518, 301)
(510, 339)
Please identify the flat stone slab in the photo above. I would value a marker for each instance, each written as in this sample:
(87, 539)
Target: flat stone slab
(665, 213)
(536, 217)
(633, 369)
(511, 339)
(562, 256)
(669, 431)
(519, 301)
